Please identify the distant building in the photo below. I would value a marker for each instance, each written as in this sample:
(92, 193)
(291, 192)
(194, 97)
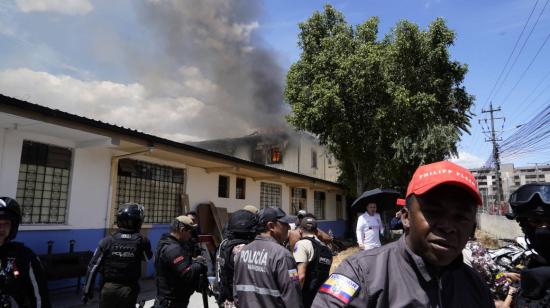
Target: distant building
(511, 178)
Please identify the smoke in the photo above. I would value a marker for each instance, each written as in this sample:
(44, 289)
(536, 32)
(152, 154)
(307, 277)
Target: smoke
(209, 50)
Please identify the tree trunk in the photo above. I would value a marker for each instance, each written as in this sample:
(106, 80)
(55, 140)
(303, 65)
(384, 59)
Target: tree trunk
(358, 179)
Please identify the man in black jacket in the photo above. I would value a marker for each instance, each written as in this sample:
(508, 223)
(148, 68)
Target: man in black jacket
(21, 276)
(118, 258)
(531, 208)
(424, 268)
(178, 273)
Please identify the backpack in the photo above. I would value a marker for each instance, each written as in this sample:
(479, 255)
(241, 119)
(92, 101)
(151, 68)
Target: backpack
(240, 229)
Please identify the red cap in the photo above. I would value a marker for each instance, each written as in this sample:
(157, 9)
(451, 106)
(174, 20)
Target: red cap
(400, 202)
(444, 172)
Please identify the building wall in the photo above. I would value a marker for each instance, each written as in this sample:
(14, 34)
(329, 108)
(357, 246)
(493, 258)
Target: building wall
(88, 209)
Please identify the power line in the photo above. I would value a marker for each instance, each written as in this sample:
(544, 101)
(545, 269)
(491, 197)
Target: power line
(513, 50)
(521, 49)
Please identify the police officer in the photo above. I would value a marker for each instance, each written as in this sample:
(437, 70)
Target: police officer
(531, 209)
(424, 268)
(240, 231)
(265, 272)
(178, 273)
(314, 259)
(22, 283)
(118, 257)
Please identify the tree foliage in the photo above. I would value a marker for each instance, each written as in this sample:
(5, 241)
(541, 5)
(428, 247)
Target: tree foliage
(383, 106)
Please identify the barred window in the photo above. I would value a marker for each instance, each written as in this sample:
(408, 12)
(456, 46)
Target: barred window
(339, 207)
(319, 204)
(270, 195)
(158, 188)
(240, 191)
(298, 199)
(223, 186)
(43, 184)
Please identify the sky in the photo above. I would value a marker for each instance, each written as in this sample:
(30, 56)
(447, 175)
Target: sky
(190, 70)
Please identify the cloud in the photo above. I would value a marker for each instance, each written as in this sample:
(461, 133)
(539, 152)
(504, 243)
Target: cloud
(69, 7)
(129, 105)
(468, 160)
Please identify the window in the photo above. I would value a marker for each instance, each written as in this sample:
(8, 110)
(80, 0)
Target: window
(158, 188)
(313, 159)
(240, 188)
(319, 204)
(270, 195)
(43, 184)
(339, 207)
(298, 199)
(275, 155)
(258, 156)
(223, 186)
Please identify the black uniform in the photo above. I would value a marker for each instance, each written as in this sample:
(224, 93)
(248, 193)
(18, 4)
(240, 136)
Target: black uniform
(317, 270)
(226, 264)
(535, 286)
(178, 276)
(21, 277)
(118, 258)
(393, 276)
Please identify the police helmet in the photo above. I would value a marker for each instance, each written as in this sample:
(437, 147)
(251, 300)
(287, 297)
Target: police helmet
(130, 216)
(9, 209)
(530, 200)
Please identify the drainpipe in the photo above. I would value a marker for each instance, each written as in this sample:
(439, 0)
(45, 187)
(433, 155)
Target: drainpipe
(299, 147)
(3, 150)
(113, 182)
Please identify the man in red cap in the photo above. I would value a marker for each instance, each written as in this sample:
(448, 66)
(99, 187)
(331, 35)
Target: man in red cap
(424, 268)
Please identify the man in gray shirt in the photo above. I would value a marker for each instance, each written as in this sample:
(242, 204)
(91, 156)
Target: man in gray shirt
(265, 272)
(424, 268)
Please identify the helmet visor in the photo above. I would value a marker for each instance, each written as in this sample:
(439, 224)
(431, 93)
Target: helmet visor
(526, 193)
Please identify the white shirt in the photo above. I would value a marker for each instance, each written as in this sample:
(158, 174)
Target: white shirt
(369, 229)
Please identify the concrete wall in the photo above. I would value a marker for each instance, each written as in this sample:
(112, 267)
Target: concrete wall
(499, 226)
(89, 183)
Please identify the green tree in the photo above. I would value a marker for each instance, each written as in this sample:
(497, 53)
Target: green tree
(383, 106)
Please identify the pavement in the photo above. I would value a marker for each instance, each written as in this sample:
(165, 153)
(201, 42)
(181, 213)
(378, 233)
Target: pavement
(70, 299)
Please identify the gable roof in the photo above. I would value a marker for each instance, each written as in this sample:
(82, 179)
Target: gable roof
(37, 112)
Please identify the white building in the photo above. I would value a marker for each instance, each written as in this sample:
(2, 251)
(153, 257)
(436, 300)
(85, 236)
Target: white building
(511, 178)
(70, 173)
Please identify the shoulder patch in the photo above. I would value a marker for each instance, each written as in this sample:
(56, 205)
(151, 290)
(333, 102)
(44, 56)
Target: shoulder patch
(178, 259)
(293, 274)
(340, 287)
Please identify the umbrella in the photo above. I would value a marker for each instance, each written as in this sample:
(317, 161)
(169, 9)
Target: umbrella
(383, 197)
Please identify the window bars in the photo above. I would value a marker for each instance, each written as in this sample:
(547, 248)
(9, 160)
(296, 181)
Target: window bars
(158, 188)
(270, 195)
(43, 183)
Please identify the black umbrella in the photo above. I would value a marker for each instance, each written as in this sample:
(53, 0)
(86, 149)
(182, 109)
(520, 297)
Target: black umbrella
(383, 197)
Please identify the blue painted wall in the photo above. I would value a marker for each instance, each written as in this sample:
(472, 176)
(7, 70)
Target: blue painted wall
(87, 240)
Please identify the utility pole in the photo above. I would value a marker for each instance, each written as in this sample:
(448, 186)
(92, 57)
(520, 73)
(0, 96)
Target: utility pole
(496, 156)
(536, 171)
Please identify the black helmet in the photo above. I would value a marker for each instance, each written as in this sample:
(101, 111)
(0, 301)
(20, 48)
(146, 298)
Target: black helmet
(242, 224)
(9, 209)
(130, 216)
(530, 200)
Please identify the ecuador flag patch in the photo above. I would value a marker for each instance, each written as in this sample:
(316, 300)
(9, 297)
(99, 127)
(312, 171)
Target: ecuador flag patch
(341, 287)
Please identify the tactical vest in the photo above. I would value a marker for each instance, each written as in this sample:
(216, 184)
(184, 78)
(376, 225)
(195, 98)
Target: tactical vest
(225, 267)
(317, 270)
(123, 258)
